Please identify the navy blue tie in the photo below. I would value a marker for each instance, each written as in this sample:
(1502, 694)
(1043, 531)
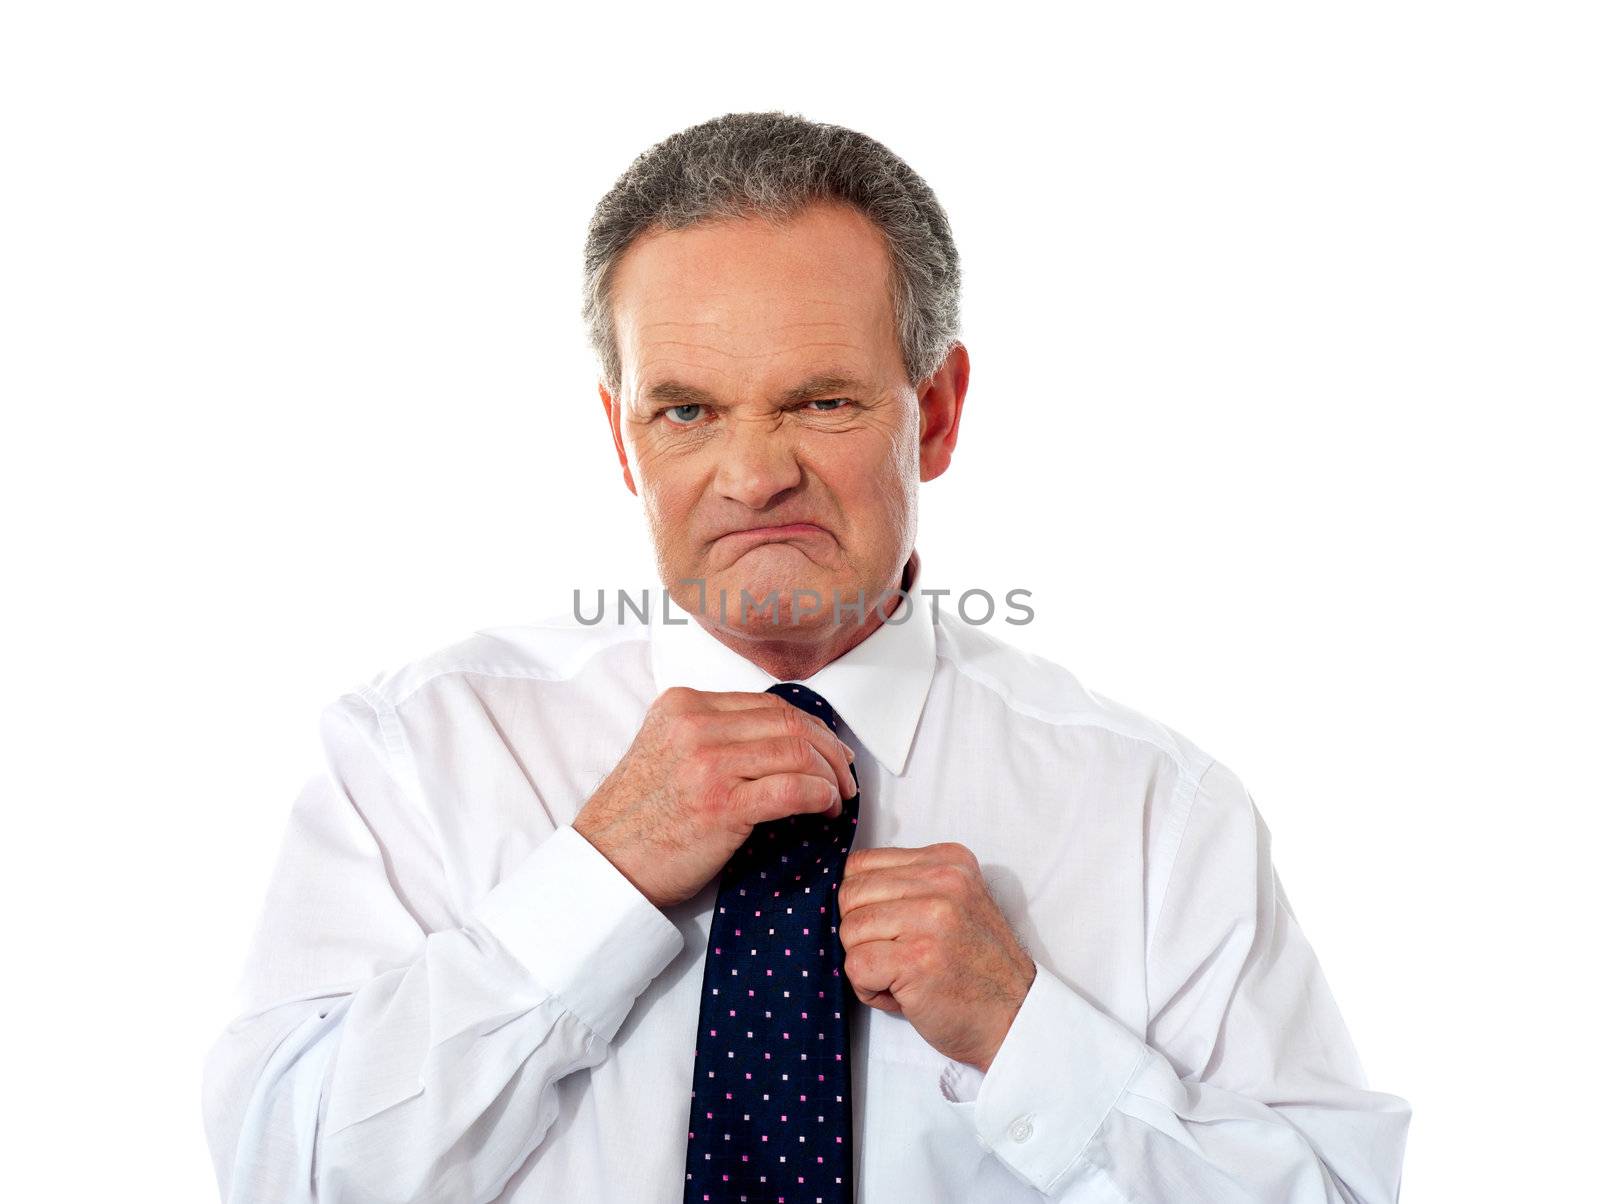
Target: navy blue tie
(770, 1114)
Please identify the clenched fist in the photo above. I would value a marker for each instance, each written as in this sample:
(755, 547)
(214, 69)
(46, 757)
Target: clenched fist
(923, 937)
(706, 768)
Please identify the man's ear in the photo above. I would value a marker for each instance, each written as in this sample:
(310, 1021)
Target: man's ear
(939, 398)
(614, 421)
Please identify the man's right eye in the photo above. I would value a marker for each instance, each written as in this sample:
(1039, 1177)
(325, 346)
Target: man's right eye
(681, 420)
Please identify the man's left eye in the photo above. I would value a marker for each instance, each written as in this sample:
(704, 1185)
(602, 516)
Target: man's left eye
(831, 402)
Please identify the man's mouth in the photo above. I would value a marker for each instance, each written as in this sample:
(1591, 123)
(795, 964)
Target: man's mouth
(785, 531)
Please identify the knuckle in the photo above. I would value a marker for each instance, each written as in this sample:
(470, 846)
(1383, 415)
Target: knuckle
(940, 911)
(794, 723)
(787, 791)
(960, 854)
(797, 749)
(949, 878)
(716, 800)
(674, 697)
(703, 762)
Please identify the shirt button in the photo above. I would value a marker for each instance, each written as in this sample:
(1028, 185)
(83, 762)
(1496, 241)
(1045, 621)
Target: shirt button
(1021, 1129)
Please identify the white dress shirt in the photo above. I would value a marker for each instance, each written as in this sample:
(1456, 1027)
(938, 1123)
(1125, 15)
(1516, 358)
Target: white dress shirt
(453, 996)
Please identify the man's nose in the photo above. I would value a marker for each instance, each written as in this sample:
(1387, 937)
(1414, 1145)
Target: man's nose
(756, 463)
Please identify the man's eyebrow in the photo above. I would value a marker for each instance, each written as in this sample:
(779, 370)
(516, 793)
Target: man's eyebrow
(821, 384)
(676, 393)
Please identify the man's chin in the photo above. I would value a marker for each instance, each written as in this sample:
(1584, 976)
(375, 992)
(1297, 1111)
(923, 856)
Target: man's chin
(768, 602)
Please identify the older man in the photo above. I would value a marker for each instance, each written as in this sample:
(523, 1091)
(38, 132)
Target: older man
(799, 888)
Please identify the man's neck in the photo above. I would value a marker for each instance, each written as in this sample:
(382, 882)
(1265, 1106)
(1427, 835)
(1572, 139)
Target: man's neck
(796, 659)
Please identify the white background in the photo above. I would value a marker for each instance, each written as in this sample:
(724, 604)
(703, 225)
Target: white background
(1283, 326)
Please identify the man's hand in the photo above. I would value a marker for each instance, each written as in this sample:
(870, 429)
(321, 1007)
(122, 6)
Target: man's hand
(923, 937)
(706, 768)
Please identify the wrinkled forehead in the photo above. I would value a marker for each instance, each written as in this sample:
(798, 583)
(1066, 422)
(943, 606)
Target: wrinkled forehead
(752, 304)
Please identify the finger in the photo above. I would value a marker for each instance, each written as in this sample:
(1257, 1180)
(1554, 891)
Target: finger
(752, 759)
(888, 857)
(741, 700)
(858, 889)
(689, 701)
(829, 744)
(896, 920)
(782, 794)
(871, 968)
(753, 725)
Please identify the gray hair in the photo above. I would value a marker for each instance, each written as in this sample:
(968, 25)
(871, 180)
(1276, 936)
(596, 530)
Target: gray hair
(772, 165)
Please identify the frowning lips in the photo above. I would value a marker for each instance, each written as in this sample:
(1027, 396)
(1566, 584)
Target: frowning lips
(774, 531)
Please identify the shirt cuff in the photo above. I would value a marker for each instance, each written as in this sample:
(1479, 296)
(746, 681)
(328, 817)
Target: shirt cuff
(1060, 1070)
(581, 929)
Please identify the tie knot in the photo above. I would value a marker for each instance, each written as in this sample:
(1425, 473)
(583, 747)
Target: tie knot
(807, 700)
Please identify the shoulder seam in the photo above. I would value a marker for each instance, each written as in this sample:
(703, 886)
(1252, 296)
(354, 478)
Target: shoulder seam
(394, 740)
(402, 764)
(503, 670)
(1074, 718)
(1178, 826)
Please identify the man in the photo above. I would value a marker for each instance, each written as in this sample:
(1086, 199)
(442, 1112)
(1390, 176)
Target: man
(1019, 943)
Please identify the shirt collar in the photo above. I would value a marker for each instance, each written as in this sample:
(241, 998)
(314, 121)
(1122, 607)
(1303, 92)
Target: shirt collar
(878, 687)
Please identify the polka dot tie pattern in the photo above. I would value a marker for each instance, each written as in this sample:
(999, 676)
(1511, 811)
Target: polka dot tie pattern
(770, 1111)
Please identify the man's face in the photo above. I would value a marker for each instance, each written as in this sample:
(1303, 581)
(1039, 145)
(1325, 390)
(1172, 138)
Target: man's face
(764, 415)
